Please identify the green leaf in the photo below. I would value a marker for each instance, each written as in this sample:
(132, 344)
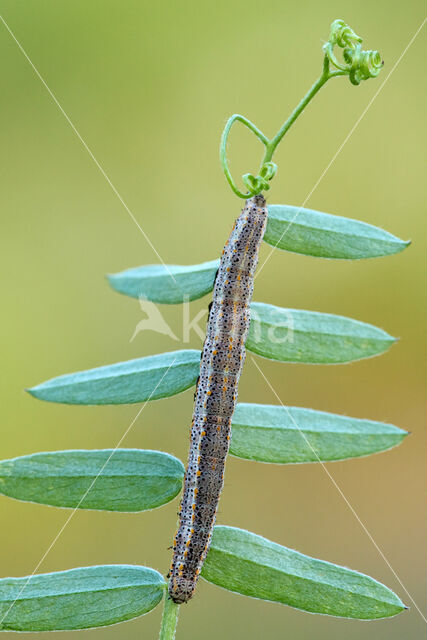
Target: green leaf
(270, 433)
(116, 480)
(155, 282)
(150, 378)
(326, 236)
(243, 562)
(292, 335)
(78, 599)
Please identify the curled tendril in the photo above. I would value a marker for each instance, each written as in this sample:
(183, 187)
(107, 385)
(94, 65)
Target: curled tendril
(363, 64)
(259, 183)
(343, 35)
(358, 64)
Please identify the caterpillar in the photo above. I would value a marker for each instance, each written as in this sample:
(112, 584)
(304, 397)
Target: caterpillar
(221, 364)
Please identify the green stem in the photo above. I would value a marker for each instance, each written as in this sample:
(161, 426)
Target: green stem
(272, 145)
(223, 147)
(169, 619)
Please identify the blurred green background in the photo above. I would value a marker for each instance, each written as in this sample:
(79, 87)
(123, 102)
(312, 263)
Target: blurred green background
(149, 87)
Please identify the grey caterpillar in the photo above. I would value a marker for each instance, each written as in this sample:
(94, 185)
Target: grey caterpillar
(221, 364)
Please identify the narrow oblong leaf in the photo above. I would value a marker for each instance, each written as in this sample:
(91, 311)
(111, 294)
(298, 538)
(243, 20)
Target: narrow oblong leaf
(166, 284)
(79, 598)
(149, 378)
(110, 480)
(246, 563)
(310, 337)
(281, 435)
(327, 236)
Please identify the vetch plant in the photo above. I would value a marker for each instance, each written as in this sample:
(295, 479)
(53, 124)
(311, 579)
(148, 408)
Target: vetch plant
(133, 480)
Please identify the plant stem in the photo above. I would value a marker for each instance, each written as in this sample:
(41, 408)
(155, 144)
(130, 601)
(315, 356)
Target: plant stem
(274, 142)
(169, 619)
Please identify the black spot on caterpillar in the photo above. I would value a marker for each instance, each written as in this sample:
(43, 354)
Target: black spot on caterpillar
(221, 364)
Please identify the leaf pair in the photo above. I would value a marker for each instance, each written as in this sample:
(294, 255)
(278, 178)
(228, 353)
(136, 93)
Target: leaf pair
(287, 335)
(130, 480)
(238, 560)
(289, 228)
